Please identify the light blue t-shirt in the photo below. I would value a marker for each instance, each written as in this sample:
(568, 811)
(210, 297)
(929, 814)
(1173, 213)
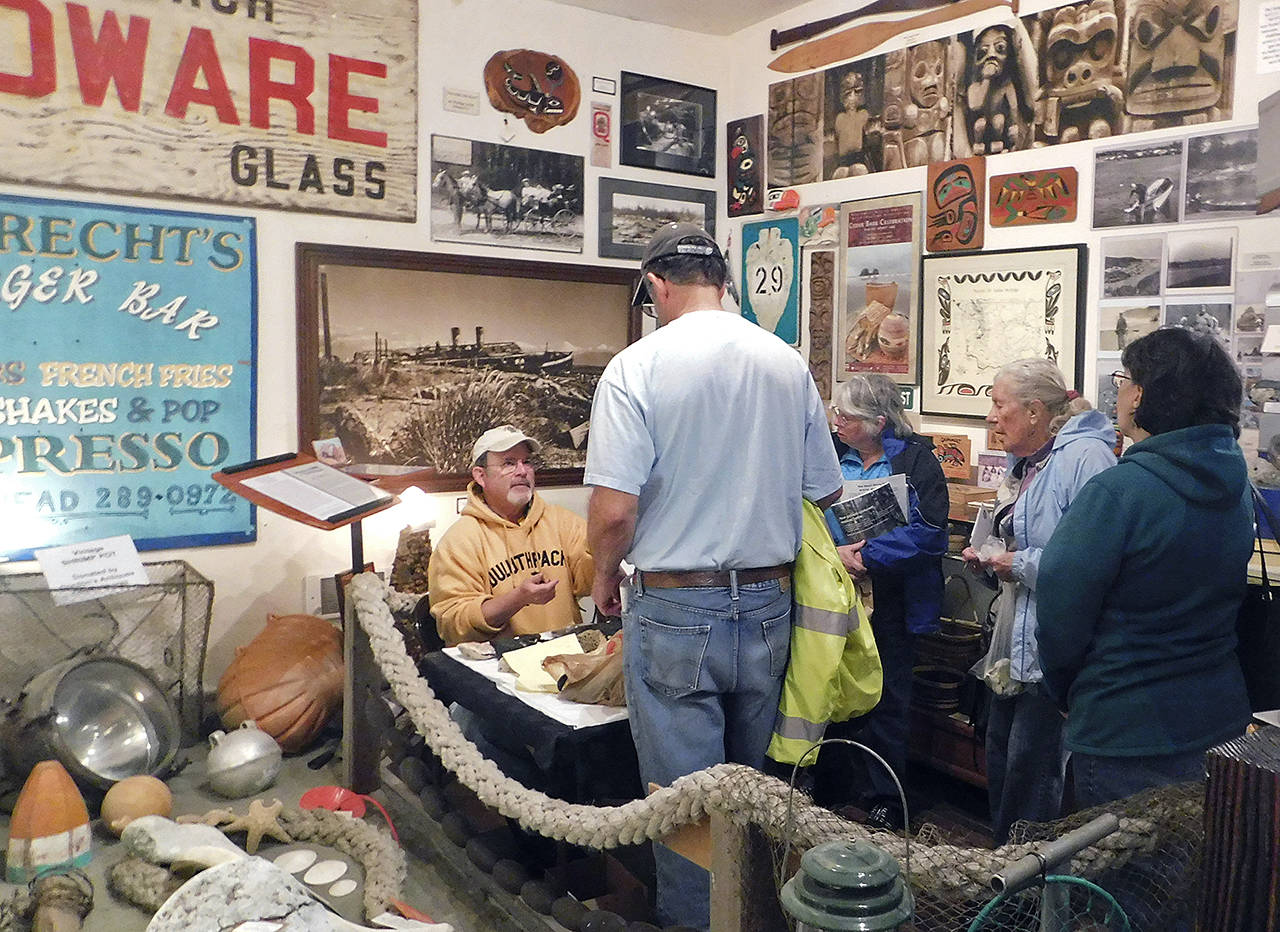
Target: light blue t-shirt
(718, 428)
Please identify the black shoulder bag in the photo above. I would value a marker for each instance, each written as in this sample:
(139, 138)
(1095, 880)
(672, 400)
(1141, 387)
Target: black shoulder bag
(1258, 625)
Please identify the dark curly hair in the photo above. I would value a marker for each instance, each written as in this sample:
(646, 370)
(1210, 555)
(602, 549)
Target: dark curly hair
(1187, 379)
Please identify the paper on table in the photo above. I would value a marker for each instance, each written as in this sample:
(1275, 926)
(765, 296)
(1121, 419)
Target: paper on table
(567, 712)
(316, 490)
(527, 662)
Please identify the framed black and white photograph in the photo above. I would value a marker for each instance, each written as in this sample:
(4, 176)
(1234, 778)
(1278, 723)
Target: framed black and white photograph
(1136, 185)
(1107, 363)
(631, 211)
(487, 194)
(407, 357)
(983, 310)
(1221, 169)
(1131, 266)
(668, 125)
(1208, 314)
(1200, 260)
(1120, 323)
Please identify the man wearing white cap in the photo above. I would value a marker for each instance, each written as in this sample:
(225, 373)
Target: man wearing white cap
(705, 435)
(512, 564)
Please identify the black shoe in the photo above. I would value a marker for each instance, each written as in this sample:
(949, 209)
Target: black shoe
(884, 817)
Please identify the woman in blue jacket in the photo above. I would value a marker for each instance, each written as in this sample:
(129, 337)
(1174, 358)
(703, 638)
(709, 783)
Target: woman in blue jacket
(873, 441)
(1142, 581)
(1056, 443)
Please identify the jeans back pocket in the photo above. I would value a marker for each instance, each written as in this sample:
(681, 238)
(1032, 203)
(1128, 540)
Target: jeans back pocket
(671, 656)
(777, 638)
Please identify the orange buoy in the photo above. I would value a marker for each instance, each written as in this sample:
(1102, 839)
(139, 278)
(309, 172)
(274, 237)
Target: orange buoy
(50, 825)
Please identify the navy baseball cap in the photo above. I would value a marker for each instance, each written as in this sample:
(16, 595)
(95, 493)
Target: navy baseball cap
(673, 239)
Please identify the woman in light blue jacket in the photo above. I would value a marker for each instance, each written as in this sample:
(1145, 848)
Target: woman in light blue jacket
(1056, 442)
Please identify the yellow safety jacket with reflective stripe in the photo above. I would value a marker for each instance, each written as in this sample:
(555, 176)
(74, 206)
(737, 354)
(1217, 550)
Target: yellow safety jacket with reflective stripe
(834, 671)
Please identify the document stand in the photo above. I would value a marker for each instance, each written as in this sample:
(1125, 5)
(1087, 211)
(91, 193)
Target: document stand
(359, 744)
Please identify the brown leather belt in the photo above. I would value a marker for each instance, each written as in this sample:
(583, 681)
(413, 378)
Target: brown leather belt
(706, 579)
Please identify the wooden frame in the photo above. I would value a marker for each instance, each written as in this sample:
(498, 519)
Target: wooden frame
(1032, 303)
(668, 125)
(646, 211)
(400, 350)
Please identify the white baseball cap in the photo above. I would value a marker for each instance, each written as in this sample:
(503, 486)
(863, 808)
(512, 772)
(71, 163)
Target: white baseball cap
(500, 440)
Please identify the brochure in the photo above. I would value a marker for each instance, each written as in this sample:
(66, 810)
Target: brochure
(870, 507)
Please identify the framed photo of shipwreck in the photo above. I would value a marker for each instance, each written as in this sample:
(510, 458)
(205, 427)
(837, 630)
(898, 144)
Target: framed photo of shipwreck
(407, 357)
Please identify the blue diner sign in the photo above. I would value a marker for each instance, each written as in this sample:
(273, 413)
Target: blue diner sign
(127, 374)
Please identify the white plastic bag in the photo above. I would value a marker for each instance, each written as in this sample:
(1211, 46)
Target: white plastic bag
(994, 668)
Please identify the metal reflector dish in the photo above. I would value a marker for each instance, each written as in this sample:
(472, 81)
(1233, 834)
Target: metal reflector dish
(104, 718)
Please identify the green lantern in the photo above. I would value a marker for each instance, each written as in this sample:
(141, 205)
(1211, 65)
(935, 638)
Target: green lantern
(847, 886)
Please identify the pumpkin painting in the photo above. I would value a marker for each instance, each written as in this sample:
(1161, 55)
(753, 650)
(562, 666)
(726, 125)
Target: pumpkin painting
(288, 680)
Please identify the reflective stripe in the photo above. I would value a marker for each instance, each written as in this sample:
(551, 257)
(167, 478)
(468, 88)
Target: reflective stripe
(797, 729)
(825, 621)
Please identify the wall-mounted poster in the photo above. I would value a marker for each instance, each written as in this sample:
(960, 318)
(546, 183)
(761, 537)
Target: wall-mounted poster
(632, 211)
(1137, 184)
(1201, 260)
(290, 104)
(771, 276)
(128, 377)
(488, 194)
(745, 177)
(668, 125)
(880, 253)
(1131, 266)
(983, 310)
(953, 205)
(954, 455)
(1221, 175)
(1046, 196)
(1072, 72)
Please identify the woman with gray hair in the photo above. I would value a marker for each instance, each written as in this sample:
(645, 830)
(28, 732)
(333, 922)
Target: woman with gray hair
(1055, 442)
(874, 440)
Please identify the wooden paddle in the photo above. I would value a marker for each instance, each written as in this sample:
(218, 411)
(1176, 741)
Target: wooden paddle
(855, 41)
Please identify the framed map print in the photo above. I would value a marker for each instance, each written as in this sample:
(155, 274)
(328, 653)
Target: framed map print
(981, 311)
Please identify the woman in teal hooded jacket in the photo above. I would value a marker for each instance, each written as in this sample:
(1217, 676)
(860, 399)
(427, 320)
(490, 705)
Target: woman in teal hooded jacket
(1141, 582)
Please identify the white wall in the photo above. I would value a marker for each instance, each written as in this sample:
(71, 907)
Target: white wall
(456, 38)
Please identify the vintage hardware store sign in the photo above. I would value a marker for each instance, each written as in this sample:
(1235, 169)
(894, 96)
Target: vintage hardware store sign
(286, 104)
(127, 374)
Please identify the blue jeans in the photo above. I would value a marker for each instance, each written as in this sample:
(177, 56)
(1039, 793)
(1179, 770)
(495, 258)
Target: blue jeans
(704, 670)
(1026, 760)
(1101, 780)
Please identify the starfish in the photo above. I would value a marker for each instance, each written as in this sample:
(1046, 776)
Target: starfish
(262, 820)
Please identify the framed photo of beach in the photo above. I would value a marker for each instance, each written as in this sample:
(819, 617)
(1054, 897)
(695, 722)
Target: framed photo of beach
(983, 310)
(407, 357)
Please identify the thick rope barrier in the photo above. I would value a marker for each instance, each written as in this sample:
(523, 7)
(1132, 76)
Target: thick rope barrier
(737, 792)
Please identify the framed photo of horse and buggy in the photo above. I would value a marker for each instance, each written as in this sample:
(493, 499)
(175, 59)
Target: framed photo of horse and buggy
(488, 194)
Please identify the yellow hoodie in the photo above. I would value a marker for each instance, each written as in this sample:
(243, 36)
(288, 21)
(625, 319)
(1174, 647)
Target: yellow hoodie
(484, 555)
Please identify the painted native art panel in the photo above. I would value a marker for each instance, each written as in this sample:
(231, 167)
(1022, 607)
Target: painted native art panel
(1085, 70)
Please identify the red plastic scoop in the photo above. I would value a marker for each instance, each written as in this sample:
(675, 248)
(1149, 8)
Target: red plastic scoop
(341, 799)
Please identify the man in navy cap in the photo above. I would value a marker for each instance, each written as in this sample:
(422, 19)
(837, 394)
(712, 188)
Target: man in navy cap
(705, 435)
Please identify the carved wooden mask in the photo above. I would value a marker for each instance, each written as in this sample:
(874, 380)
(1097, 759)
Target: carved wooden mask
(534, 86)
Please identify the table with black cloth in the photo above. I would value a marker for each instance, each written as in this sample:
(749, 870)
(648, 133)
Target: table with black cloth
(594, 765)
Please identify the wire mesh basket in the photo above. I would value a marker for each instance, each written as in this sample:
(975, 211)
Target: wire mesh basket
(162, 626)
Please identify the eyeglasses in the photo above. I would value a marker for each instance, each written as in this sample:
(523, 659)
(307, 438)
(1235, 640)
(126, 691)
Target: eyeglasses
(1118, 376)
(842, 415)
(509, 466)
